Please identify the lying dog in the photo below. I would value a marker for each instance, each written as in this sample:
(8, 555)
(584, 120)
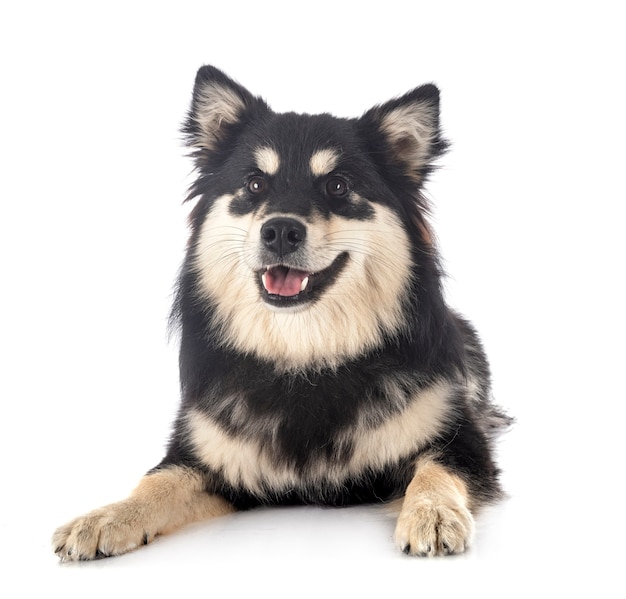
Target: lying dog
(319, 363)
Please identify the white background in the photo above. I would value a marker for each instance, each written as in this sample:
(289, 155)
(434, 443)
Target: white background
(529, 212)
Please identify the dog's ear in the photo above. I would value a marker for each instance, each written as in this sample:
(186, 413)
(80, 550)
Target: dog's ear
(218, 106)
(410, 128)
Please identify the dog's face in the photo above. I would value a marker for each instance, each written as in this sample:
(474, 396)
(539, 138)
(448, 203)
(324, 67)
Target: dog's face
(302, 246)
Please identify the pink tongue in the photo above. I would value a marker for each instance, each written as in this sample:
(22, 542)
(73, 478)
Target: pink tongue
(284, 281)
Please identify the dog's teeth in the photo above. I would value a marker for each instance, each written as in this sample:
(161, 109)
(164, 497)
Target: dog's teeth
(263, 279)
(304, 283)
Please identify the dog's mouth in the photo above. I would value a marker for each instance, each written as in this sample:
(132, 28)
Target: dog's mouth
(285, 286)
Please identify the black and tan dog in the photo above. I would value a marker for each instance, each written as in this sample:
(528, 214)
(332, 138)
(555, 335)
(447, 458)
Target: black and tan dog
(319, 362)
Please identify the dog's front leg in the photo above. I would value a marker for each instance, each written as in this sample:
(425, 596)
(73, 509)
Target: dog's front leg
(435, 517)
(163, 501)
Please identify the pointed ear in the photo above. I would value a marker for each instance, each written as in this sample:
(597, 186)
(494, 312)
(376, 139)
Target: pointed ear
(218, 105)
(410, 127)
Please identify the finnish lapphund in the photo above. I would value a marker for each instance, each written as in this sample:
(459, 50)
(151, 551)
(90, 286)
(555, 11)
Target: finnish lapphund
(319, 362)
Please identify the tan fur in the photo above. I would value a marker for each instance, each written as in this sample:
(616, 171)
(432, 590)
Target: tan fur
(323, 162)
(216, 105)
(435, 517)
(426, 233)
(267, 160)
(251, 464)
(163, 501)
(410, 131)
(363, 304)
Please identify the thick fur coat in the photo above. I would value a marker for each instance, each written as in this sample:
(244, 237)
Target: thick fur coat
(319, 362)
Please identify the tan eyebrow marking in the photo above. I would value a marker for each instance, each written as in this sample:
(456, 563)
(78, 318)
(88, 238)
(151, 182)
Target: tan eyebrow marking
(323, 161)
(267, 159)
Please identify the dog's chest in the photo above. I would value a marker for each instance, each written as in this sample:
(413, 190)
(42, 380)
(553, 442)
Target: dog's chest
(298, 448)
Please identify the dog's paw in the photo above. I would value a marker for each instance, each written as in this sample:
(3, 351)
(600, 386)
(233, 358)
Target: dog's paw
(110, 530)
(430, 527)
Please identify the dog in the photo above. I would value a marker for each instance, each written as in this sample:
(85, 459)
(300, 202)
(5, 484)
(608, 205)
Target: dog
(319, 361)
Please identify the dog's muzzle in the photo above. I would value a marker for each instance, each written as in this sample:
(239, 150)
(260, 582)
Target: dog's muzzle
(284, 282)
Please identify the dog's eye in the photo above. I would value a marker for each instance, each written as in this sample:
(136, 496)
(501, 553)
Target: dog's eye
(336, 187)
(256, 184)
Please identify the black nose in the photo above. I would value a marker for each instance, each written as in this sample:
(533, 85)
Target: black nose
(283, 235)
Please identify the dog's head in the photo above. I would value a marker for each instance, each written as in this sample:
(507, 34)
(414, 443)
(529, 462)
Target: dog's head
(307, 236)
